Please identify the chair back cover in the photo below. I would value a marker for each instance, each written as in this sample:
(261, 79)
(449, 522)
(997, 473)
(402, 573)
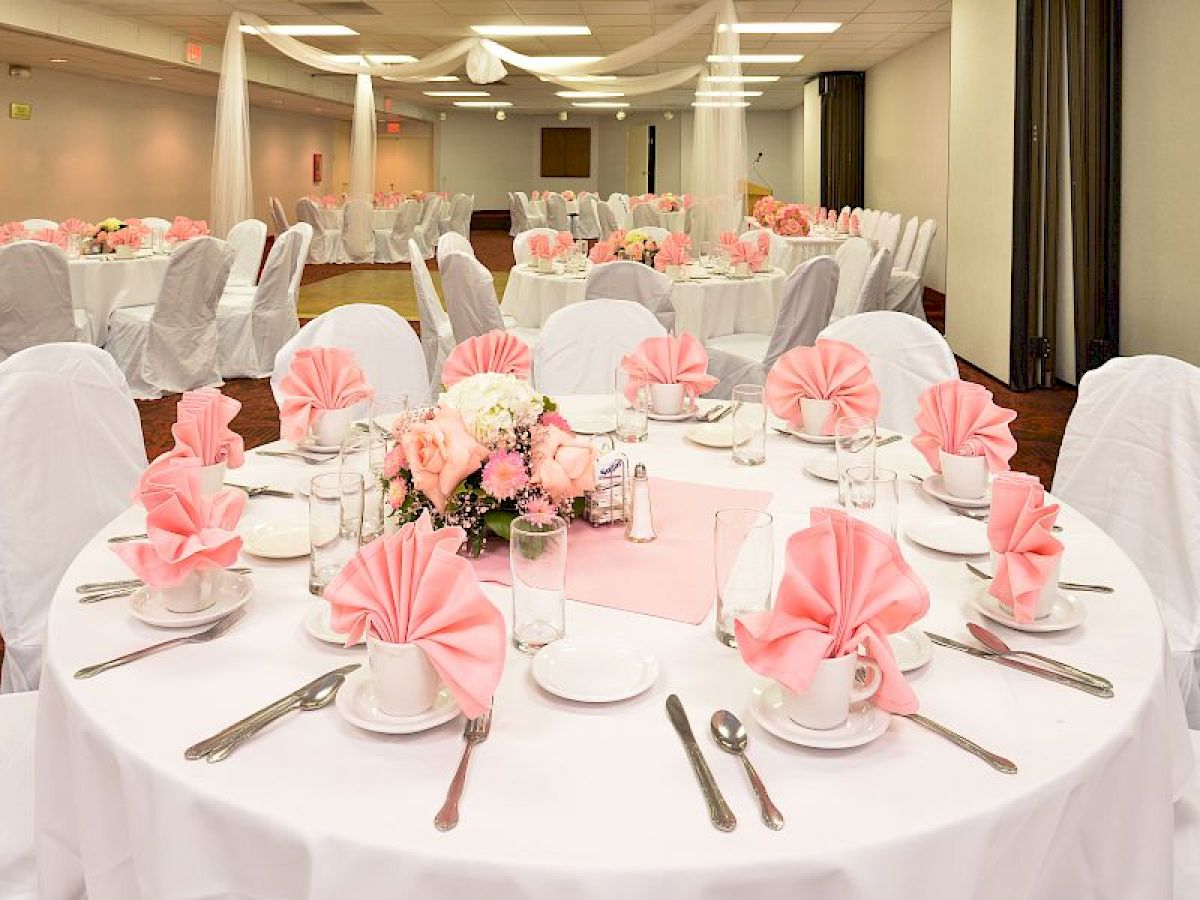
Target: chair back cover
(157, 225)
(278, 217)
(624, 279)
(452, 242)
(920, 254)
(908, 240)
(869, 222)
(581, 344)
(247, 238)
(513, 205)
(887, 235)
(778, 250)
(35, 296)
(521, 242)
(607, 219)
(358, 231)
(319, 247)
(306, 235)
(520, 211)
(460, 214)
(273, 320)
(556, 213)
(655, 232)
(1128, 462)
(853, 258)
(875, 284)
(74, 468)
(39, 224)
(384, 345)
(645, 214)
(588, 222)
(907, 356)
(470, 297)
(437, 334)
(427, 230)
(618, 207)
(181, 349)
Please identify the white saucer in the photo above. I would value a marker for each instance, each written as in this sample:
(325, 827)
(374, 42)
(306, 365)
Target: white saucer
(356, 704)
(311, 446)
(866, 722)
(912, 648)
(810, 438)
(712, 434)
(673, 417)
(592, 424)
(1066, 612)
(316, 623)
(934, 486)
(233, 593)
(277, 540)
(594, 671)
(823, 467)
(951, 534)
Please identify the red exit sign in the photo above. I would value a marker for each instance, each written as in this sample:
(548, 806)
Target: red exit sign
(193, 53)
(393, 127)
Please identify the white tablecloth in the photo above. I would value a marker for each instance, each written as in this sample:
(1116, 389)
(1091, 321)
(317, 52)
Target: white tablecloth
(381, 219)
(101, 285)
(672, 221)
(708, 308)
(802, 249)
(566, 800)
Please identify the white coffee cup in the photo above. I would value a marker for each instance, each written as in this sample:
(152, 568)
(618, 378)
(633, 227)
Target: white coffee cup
(545, 264)
(212, 478)
(742, 268)
(675, 273)
(124, 251)
(1046, 597)
(826, 702)
(667, 399)
(964, 476)
(330, 426)
(195, 593)
(404, 681)
(814, 415)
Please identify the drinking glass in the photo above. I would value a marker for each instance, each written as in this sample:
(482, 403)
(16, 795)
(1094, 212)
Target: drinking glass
(873, 495)
(749, 424)
(744, 558)
(632, 399)
(706, 254)
(74, 246)
(364, 451)
(854, 445)
(581, 254)
(537, 552)
(335, 519)
(720, 260)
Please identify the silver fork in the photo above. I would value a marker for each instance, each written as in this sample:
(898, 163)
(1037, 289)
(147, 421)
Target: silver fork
(211, 633)
(264, 490)
(126, 538)
(96, 591)
(292, 454)
(475, 732)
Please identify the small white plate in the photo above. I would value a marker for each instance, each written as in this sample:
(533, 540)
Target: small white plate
(594, 671)
(712, 434)
(316, 623)
(277, 540)
(912, 648)
(958, 535)
(592, 424)
(823, 467)
(865, 723)
(233, 592)
(310, 445)
(810, 438)
(356, 704)
(935, 487)
(1066, 612)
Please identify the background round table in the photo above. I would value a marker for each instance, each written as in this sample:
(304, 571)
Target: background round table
(101, 284)
(567, 800)
(331, 218)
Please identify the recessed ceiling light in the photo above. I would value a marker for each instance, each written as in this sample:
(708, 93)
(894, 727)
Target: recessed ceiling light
(606, 104)
(583, 95)
(58, 59)
(729, 93)
(578, 78)
(438, 78)
(731, 104)
(757, 58)
(154, 78)
(783, 27)
(530, 30)
(303, 30)
(457, 94)
(482, 104)
(742, 79)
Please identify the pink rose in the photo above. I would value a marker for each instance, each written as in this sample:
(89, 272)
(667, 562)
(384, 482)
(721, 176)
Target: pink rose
(563, 464)
(440, 454)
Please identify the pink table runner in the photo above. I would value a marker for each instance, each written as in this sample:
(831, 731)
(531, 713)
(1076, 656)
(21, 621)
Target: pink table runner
(671, 577)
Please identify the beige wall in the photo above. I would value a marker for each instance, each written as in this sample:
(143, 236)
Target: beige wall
(1160, 266)
(796, 126)
(812, 144)
(907, 140)
(979, 215)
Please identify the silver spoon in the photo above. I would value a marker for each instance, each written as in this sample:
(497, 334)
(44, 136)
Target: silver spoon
(996, 644)
(730, 734)
(1064, 585)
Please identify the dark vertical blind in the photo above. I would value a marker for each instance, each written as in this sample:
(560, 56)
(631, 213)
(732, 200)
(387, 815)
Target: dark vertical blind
(843, 113)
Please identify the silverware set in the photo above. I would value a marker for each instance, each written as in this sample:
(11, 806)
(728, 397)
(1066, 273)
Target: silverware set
(1064, 585)
(95, 591)
(264, 490)
(214, 631)
(715, 414)
(475, 732)
(983, 516)
(719, 812)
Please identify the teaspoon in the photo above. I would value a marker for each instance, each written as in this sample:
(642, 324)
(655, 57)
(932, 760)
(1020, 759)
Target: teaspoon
(730, 734)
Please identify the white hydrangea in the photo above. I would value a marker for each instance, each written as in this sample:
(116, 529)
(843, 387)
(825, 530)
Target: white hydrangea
(494, 406)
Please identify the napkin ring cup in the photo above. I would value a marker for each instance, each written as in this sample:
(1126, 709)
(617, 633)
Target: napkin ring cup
(405, 683)
(837, 684)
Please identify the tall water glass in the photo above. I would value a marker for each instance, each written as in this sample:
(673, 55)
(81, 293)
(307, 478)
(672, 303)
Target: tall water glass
(749, 423)
(537, 552)
(873, 495)
(335, 518)
(632, 400)
(364, 452)
(706, 260)
(854, 445)
(744, 558)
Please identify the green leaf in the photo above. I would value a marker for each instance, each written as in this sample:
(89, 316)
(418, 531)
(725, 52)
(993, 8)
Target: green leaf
(499, 522)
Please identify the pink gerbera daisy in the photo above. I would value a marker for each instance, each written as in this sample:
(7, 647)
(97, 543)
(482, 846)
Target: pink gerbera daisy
(504, 474)
(553, 418)
(539, 511)
(393, 462)
(397, 491)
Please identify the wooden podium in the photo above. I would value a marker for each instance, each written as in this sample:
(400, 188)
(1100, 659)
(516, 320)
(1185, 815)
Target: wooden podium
(754, 192)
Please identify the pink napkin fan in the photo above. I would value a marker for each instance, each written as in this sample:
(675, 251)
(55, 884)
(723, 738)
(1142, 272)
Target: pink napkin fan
(671, 360)
(832, 370)
(845, 586)
(496, 351)
(671, 253)
(742, 252)
(1019, 532)
(201, 433)
(603, 252)
(540, 247)
(320, 378)
(961, 418)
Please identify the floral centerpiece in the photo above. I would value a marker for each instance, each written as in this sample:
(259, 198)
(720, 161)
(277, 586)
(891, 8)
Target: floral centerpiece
(11, 232)
(669, 203)
(766, 210)
(792, 220)
(568, 195)
(636, 245)
(132, 234)
(491, 450)
(183, 228)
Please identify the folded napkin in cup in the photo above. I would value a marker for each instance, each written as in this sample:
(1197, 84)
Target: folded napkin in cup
(202, 433)
(496, 351)
(563, 241)
(540, 247)
(604, 251)
(961, 418)
(845, 586)
(412, 587)
(832, 370)
(743, 252)
(186, 529)
(728, 239)
(320, 378)
(1027, 554)
(671, 360)
(671, 253)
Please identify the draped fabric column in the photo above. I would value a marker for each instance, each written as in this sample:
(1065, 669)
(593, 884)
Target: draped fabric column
(362, 139)
(231, 198)
(843, 114)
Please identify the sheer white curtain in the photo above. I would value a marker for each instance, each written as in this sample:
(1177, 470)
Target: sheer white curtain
(231, 198)
(362, 140)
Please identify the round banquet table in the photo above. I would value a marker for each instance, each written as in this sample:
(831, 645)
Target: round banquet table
(571, 800)
(101, 284)
(707, 308)
(381, 219)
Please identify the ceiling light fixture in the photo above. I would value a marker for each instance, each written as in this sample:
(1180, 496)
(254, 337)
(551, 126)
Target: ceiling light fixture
(303, 30)
(729, 93)
(732, 104)
(783, 27)
(530, 30)
(741, 79)
(457, 94)
(620, 115)
(439, 78)
(501, 115)
(482, 104)
(154, 78)
(58, 59)
(756, 58)
(583, 95)
(605, 104)
(562, 115)
(668, 115)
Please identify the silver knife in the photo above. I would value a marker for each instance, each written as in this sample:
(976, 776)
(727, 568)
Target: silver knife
(1059, 678)
(718, 810)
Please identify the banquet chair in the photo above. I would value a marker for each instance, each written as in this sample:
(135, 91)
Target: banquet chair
(513, 227)
(391, 244)
(556, 213)
(521, 242)
(39, 224)
(384, 345)
(444, 213)
(460, 215)
(18, 724)
(426, 231)
(453, 242)
(869, 222)
(170, 346)
(656, 233)
(606, 218)
(247, 238)
(251, 328)
(529, 219)
(872, 295)
(79, 456)
(887, 234)
(645, 214)
(470, 291)
(588, 224)
(306, 233)
(159, 226)
(624, 279)
(1187, 830)
(807, 302)
(619, 205)
(324, 240)
(779, 248)
(908, 240)
(35, 298)
(437, 334)
(278, 216)
(857, 211)
(907, 357)
(853, 259)
(581, 345)
(357, 244)
(520, 221)
(920, 254)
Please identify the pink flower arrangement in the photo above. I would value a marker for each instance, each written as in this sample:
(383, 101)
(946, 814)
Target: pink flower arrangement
(77, 226)
(563, 464)
(568, 195)
(440, 453)
(669, 203)
(133, 235)
(183, 228)
(13, 231)
(51, 236)
(766, 210)
(791, 220)
(855, 224)
(505, 475)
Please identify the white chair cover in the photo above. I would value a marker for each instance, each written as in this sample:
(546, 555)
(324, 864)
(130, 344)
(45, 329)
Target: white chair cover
(875, 284)
(1187, 831)
(385, 346)
(515, 215)
(808, 294)
(588, 224)
(35, 297)
(617, 205)
(278, 216)
(470, 296)
(323, 241)
(250, 330)
(306, 236)
(171, 346)
(39, 224)
(521, 243)
(391, 244)
(426, 233)
(656, 233)
(645, 214)
(608, 219)
(779, 248)
(853, 258)
(358, 233)
(869, 222)
(452, 242)
(905, 294)
(907, 356)
(887, 234)
(460, 215)
(71, 468)
(556, 213)
(437, 334)
(920, 254)
(18, 864)
(908, 240)
(157, 225)
(247, 238)
(1128, 462)
(624, 279)
(581, 345)
(529, 219)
